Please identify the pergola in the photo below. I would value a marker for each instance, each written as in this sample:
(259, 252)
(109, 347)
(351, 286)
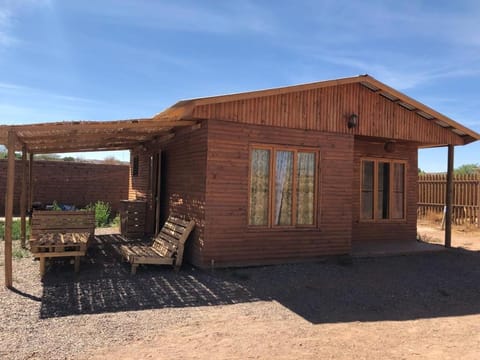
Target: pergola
(71, 136)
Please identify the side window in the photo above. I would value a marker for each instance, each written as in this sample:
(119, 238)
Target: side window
(282, 186)
(367, 189)
(382, 190)
(259, 187)
(135, 166)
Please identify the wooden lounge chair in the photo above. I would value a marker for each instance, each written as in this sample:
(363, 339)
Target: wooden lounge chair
(166, 249)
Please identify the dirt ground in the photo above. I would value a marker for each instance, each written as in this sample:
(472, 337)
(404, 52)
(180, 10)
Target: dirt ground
(424, 306)
(463, 236)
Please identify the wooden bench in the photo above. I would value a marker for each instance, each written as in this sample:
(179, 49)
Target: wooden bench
(61, 234)
(166, 249)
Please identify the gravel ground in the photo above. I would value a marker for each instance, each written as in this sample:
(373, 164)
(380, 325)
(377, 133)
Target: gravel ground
(104, 312)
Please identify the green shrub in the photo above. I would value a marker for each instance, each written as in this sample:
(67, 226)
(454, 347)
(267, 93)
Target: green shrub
(116, 221)
(16, 230)
(55, 206)
(102, 213)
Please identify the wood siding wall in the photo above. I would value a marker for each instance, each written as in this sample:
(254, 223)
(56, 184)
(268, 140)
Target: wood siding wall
(386, 230)
(183, 183)
(139, 185)
(184, 164)
(327, 109)
(230, 240)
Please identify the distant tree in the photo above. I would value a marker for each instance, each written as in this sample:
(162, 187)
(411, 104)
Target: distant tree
(467, 169)
(47, 157)
(68, 158)
(111, 160)
(4, 154)
(421, 172)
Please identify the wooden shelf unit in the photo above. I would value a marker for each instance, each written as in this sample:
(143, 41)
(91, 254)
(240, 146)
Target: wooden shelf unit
(132, 217)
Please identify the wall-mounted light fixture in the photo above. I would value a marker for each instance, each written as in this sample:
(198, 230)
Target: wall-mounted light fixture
(352, 121)
(389, 146)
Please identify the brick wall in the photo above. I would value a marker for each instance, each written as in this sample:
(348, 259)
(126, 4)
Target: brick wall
(69, 183)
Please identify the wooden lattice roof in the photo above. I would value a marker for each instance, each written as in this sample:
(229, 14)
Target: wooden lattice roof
(75, 136)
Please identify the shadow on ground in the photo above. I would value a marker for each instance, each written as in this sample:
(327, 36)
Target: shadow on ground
(388, 288)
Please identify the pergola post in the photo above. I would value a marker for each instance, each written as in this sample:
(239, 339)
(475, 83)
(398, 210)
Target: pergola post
(9, 208)
(30, 181)
(449, 198)
(23, 198)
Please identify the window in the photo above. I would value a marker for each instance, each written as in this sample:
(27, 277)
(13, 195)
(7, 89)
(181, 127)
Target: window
(382, 190)
(282, 186)
(135, 166)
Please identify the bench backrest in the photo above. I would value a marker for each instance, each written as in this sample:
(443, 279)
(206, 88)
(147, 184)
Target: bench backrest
(62, 222)
(171, 239)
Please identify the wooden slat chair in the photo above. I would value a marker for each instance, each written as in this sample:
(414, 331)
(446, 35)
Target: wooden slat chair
(166, 249)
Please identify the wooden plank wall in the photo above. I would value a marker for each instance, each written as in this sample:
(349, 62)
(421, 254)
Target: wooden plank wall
(327, 109)
(466, 197)
(183, 183)
(139, 185)
(184, 176)
(385, 229)
(229, 239)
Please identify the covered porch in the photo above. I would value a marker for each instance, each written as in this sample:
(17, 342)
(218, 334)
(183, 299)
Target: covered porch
(65, 137)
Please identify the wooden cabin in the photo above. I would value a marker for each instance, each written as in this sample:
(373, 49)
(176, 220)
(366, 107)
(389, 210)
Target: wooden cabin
(292, 173)
(269, 176)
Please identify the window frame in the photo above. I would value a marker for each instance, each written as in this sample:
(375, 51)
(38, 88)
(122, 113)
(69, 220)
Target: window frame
(391, 163)
(273, 148)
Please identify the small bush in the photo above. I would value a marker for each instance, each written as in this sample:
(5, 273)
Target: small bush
(16, 230)
(55, 206)
(102, 213)
(19, 253)
(116, 221)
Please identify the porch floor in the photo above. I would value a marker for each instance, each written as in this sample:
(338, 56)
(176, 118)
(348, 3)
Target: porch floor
(392, 248)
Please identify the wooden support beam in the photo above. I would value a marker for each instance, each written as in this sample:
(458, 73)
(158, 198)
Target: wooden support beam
(9, 208)
(30, 181)
(449, 198)
(23, 198)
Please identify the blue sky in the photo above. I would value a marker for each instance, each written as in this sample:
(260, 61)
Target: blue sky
(105, 60)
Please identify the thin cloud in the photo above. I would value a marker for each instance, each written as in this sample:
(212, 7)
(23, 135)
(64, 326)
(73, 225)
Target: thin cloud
(26, 91)
(224, 18)
(8, 11)
(5, 19)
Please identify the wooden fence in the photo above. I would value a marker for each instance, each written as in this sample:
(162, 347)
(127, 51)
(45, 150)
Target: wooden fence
(466, 197)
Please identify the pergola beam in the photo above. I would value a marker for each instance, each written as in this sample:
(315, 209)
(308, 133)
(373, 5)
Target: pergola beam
(65, 149)
(12, 138)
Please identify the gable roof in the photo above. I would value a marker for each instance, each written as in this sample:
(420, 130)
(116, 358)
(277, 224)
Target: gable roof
(186, 109)
(74, 136)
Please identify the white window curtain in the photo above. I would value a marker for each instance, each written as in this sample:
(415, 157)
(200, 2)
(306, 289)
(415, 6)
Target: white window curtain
(305, 188)
(283, 187)
(259, 187)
